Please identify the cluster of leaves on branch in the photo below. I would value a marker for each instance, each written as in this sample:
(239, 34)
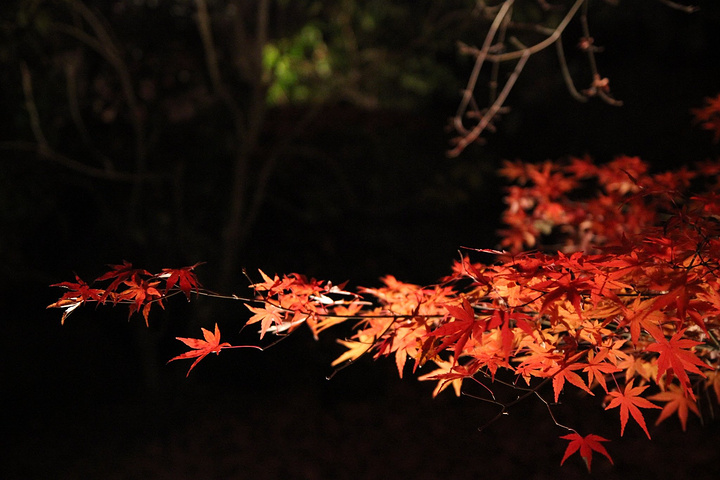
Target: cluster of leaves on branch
(626, 308)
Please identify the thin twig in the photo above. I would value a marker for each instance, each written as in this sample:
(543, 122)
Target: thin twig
(566, 73)
(493, 110)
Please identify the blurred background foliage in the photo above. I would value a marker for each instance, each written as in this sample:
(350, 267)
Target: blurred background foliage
(134, 144)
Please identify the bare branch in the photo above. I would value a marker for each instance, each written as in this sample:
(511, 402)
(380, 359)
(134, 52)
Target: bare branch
(79, 167)
(600, 86)
(566, 74)
(493, 110)
(32, 108)
(481, 55)
(557, 32)
(682, 8)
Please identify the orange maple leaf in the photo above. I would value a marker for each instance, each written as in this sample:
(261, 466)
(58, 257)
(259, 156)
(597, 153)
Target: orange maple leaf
(142, 293)
(446, 367)
(597, 368)
(201, 348)
(267, 315)
(586, 445)
(677, 402)
(355, 349)
(566, 373)
(629, 400)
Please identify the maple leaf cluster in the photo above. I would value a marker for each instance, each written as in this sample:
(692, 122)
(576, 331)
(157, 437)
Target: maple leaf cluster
(619, 297)
(134, 286)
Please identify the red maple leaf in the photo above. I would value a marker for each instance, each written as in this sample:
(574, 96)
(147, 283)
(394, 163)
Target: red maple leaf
(459, 329)
(586, 445)
(202, 348)
(629, 400)
(676, 358)
(183, 277)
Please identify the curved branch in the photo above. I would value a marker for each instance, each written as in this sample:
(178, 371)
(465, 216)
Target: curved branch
(492, 111)
(554, 37)
(44, 151)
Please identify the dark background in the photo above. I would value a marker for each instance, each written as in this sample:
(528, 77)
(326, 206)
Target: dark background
(361, 190)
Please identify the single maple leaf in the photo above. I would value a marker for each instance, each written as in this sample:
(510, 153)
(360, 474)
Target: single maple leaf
(677, 402)
(267, 315)
(629, 400)
(142, 293)
(183, 277)
(446, 367)
(676, 357)
(268, 284)
(641, 314)
(201, 348)
(566, 373)
(356, 349)
(458, 331)
(597, 368)
(586, 445)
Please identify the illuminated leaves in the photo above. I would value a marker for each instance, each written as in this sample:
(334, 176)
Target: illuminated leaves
(626, 294)
(78, 293)
(129, 285)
